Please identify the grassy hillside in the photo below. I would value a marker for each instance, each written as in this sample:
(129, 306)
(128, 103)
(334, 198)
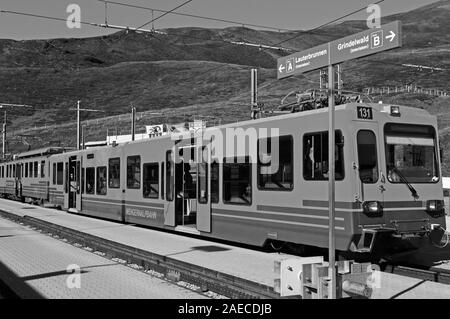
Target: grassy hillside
(196, 71)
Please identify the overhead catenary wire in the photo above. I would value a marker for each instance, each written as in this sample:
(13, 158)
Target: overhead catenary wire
(197, 16)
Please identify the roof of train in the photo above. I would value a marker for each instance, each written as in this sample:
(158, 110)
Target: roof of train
(377, 106)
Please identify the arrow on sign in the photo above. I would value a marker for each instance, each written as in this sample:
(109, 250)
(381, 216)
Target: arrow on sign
(391, 36)
(281, 68)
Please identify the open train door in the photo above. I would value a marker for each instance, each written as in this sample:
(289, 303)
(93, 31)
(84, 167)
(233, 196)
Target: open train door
(169, 212)
(204, 189)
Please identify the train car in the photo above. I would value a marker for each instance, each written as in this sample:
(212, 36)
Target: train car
(266, 180)
(27, 176)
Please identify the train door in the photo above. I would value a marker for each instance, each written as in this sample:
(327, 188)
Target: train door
(18, 180)
(369, 173)
(71, 184)
(169, 213)
(78, 178)
(204, 190)
(186, 188)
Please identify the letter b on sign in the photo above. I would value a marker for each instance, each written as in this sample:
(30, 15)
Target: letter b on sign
(376, 39)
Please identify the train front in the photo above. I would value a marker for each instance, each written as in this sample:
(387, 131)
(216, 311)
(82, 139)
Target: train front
(400, 179)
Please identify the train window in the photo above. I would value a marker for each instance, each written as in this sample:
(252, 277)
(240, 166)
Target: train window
(315, 156)
(35, 169)
(214, 182)
(411, 153)
(237, 181)
(202, 182)
(42, 168)
(101, 180)
(82, 180)
(162, 180)
(275, 163)
(170, 176)
(90, 180)
(60, 173)
(150, 182)
(134, 172)
(114, 173)
(54, 173)
(26, 170)
(367, 156)
(30, 169)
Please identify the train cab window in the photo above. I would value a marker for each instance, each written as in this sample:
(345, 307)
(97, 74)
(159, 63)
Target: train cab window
(35, 169)
(150, 182)
(275, 162)
(59, 173)
(14, 170)
(42, 168)
(411, 153)
(367, 156)
(114, 173)
(237, 181)
(26, 169)
(134, 172)
(170, 176)
(30, 168)
(90, 180)
(101, 180)
(315, 156)
(54, 173)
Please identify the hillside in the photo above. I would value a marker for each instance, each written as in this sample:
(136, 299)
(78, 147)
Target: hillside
(197, 71)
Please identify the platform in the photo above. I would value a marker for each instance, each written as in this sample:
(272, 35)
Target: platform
(34, 265)
(252, 265)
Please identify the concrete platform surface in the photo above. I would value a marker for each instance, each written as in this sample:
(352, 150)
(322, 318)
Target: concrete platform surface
(244, 263)
(36, 266)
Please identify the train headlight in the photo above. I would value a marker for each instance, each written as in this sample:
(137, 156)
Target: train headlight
(372, 208)
(435, 205)
(395, 110)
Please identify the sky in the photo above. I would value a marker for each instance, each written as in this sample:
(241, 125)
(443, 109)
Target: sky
(285, 14)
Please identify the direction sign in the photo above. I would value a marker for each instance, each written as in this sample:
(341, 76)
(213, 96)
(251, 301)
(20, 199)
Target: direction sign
(366, 43)
(354, 46)
(303, 61)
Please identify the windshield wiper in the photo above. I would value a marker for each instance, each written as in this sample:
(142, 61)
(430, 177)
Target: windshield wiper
(403, 178)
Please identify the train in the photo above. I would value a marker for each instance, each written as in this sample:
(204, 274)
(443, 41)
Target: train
(259, 182)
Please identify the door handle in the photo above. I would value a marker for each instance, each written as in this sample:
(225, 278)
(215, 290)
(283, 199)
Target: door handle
(381, 188)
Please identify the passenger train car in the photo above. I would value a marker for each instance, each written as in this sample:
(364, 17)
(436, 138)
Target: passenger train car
(388, 179)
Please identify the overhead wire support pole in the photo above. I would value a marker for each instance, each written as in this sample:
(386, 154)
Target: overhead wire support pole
(133, 122)
(331, 184)
(78, 126)
(4, 137)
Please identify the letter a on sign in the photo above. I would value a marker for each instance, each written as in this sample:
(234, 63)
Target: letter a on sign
(289, 65)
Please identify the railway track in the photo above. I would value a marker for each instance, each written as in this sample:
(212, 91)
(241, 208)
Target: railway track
(170, 269)
(441, 276)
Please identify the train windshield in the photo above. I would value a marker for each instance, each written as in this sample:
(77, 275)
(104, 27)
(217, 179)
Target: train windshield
(411, 153)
